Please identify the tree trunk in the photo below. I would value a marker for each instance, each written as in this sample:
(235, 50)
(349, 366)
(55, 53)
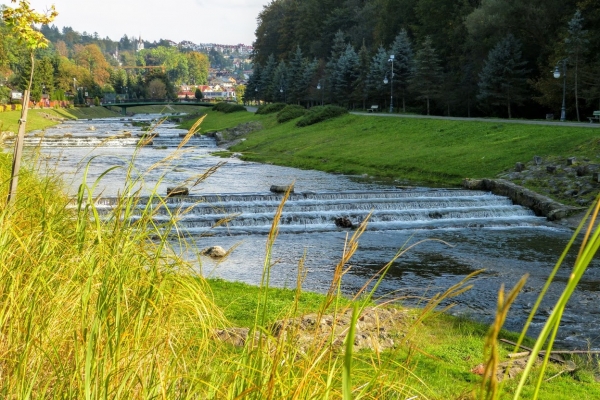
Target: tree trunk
(16, 165)
(576, 89)
(427, 105)
(403, 104)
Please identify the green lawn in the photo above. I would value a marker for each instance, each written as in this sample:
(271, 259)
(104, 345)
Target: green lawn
(425, 151)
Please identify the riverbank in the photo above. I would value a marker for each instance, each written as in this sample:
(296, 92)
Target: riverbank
(429, 152)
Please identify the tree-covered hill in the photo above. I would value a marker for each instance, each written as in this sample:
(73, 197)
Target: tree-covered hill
(460, 57)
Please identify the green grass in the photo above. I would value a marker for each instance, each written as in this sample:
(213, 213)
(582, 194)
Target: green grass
(424, 151)
(9, 121)
(217, 120)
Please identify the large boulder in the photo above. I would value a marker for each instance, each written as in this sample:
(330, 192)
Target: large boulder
(214, 252)
(281, 188)
(177, 191)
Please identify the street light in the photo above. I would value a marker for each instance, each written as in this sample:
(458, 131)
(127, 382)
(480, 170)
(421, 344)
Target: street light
(563, 111)
(391, 84)
(319, 87)
(256, 95)
(282, 92)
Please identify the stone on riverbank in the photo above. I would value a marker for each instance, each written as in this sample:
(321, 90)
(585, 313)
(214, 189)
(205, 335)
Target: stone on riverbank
(541, 205)
(231, 136)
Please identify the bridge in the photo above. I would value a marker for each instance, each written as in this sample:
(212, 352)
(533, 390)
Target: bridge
(124, 104)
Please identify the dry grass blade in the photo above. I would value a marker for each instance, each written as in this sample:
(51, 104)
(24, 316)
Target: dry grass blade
(489, 385)
(193, 130)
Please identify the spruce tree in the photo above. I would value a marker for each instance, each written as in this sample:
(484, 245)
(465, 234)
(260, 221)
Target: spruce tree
(403, 65)
(337, 49)
(280, 83)
(345, 75)
(266, 86)
(377, 72)
(576, 44)
(295, 72)
(427, 77)
(503, 77)
(361, 91)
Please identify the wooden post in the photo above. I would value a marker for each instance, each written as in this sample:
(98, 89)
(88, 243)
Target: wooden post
(18, 150)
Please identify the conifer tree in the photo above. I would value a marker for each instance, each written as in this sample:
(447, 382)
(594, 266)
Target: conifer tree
(295, 74)
(427, 77)
(266, 85)
(345, 75)
(377, 72)
(503, 77)
(576, 43)
(361, 88)
(403, 64)
(280, 83)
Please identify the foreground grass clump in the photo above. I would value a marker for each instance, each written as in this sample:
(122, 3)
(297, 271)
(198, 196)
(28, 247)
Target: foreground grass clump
(93, 310)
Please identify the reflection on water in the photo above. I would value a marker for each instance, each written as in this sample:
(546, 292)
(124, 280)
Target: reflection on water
(528, 246)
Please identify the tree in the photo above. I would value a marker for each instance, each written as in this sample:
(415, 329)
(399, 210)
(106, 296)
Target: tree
(21, 20)
(267, 79)
(198, 94)
(503, 76)
(345, 75)
(427, 77)
(377, 72)
(157, 89)
(198, 66)
(576, 46)
(403, 64)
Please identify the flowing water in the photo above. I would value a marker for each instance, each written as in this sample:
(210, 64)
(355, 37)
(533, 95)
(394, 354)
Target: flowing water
(463, 231)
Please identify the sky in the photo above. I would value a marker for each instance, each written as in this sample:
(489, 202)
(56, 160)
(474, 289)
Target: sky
(199, 21)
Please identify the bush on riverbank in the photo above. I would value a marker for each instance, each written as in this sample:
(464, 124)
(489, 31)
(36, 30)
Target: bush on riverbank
(271, 108)
(228, 108)
(320, 114)
(290, 112)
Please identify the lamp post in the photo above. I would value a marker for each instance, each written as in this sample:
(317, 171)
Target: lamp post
(319, 87)
(282, 92)
(256, 95)
(392, 84)
(563, 110)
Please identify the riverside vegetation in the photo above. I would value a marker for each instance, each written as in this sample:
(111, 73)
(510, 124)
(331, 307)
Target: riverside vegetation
(98, 308)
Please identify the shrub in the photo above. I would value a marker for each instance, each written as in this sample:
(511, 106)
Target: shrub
(290, 112)
(228, 107)
(270, 108)
(321, 113)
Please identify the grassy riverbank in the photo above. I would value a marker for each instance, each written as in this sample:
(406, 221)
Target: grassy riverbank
(425, 151)
(104, 309)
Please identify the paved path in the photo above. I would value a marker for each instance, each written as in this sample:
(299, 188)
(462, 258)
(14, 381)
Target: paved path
(496, 120)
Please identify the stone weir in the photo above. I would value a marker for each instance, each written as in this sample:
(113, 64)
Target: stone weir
(541, 205)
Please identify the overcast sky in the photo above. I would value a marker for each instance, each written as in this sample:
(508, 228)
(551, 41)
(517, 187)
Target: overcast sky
(200, 21)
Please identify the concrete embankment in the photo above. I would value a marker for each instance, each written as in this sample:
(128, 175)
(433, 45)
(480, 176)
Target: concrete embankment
(541, 205)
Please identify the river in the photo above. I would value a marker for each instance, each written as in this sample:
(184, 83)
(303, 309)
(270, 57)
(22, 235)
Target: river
(463, 231)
